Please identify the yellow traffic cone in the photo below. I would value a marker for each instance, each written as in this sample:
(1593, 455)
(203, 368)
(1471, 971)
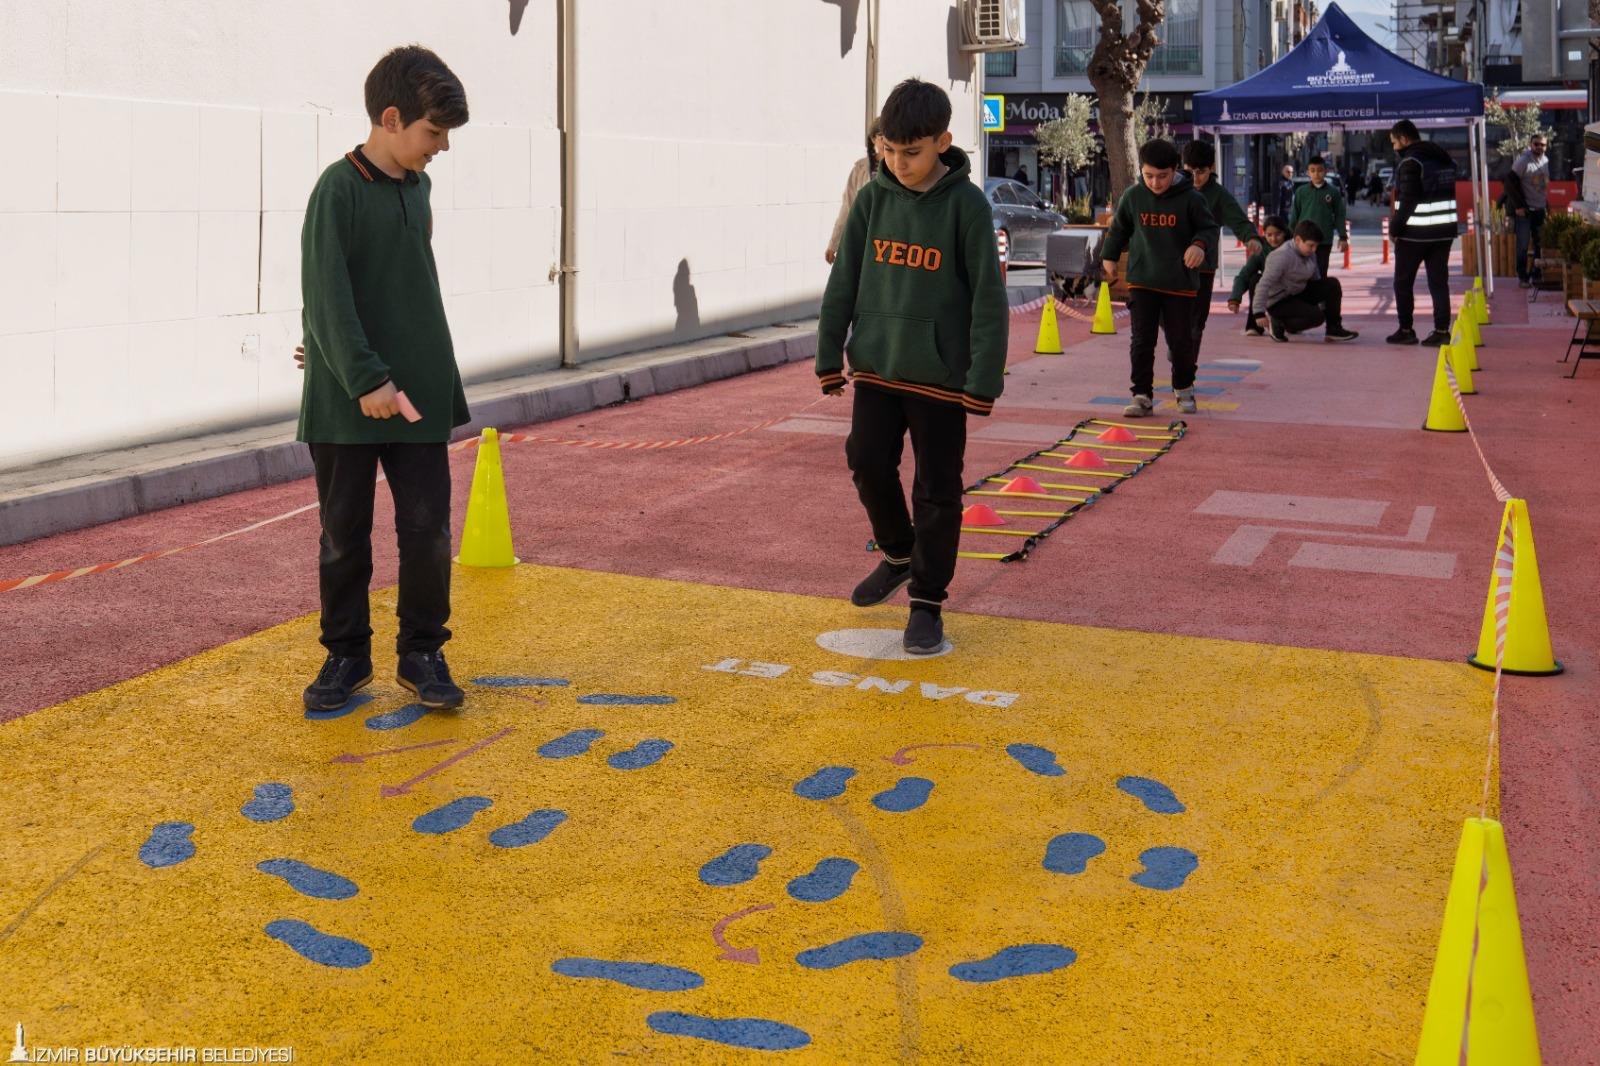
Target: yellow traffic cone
(1443, 414)
(1102, 312)
(1480, 954)
(1458, 355)
(1469, 325)
(1049, 342)
(1480, 302)
(486, 539)
(1527, 634)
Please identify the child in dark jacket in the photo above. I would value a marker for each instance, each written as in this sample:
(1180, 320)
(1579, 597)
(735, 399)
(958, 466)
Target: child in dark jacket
(1200, 160)
(1166, 229)
(1276, 231)
(916, 287)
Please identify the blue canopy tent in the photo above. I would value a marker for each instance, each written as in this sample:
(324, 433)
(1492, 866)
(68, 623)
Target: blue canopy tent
(1339, 78)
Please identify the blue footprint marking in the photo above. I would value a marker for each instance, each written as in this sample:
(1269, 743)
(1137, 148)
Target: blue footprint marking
(168, 845)
(360, 699)
(649, 976)
(1165, 868)
(576, 742)
(1023, 960)
(735, 866)
(857, 948)
(1041, 761)
(521, 682)
(397, 719)
(319, 947)
(617, 699)
(830, 880)
(308, 880)
(908, 794)
(756, 1034)
(826, 784)
(645, 753)
(452, 815)
(273, 802)
(532, 829)
(1155, 796)
(1070, 853)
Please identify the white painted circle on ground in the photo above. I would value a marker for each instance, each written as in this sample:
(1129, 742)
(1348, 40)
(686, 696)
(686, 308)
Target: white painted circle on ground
(873, 644)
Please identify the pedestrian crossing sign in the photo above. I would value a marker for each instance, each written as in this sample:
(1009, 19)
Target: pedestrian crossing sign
(994, 113)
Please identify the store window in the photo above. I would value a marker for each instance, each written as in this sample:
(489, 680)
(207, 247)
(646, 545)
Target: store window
(1179, 53)
(1000, 65)
(1077, 29)
(1179, 50)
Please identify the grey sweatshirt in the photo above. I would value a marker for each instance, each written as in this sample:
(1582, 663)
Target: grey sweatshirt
(1286, 274)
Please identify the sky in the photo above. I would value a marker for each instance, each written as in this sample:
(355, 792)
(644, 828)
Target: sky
(1373, 16)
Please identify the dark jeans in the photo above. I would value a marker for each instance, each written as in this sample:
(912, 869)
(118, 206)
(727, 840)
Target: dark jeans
(419, 480)
(930, 539)
(1528, 227)
(1408, 256)
(1324, 253)
(1202, 309)
(1174, 315)
(1318, 304)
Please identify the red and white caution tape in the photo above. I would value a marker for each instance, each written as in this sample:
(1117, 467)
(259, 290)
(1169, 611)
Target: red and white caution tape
(1500, 492)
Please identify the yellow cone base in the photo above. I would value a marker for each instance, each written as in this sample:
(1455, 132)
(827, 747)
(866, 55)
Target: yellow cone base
(1049, 342)
(1501, 1030)
(1103, 322)
(486, 537)
(1528, 652)
(1443, 414)
(1460, 358)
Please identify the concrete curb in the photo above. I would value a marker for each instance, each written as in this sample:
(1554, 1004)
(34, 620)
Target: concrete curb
(89, 490)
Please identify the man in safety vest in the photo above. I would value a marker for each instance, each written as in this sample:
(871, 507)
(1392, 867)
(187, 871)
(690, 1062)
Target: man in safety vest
(1423, 227)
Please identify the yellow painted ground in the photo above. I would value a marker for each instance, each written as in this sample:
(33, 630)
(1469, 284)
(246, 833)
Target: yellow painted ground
(1323, 794)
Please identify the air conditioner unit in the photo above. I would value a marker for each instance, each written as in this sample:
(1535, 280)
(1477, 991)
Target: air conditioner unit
(992, 25)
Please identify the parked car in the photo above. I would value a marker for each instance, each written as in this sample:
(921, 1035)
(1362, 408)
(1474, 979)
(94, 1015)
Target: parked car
(1026, 219)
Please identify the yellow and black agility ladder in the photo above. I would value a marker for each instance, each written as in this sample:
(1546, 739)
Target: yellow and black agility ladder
(1097, 454)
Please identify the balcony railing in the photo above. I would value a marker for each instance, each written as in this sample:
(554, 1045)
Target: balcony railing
(1072, 61)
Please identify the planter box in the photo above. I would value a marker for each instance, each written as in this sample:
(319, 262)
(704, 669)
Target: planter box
(1502, 255)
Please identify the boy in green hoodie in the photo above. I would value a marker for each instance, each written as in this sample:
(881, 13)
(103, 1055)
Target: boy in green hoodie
(1276, 231)
(1200, 161)
(381, 385)
(1167, 230)
(916, 286)
(1322, 203)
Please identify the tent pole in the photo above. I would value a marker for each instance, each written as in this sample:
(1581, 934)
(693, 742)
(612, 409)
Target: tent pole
(1472, 163)
(1483, 164)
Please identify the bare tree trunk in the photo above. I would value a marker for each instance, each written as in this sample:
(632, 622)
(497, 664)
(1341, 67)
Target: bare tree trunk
(1115, 70)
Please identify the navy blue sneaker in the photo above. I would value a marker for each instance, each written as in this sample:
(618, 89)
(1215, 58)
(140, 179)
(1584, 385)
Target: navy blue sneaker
(337, 681)
(426, 674)
(924, 631)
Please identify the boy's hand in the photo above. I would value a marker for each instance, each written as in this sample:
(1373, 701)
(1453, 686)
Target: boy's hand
(381, 402)
(1233, 307)
(830, 255)
(1344, 242)
(1253, 246)
(299, 357)
(1108, 271)
(1193, 257)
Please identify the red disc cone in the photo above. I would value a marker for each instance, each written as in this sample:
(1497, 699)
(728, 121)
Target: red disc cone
(1022, 484)
(1087, 460)
(981, 514)
(1117, 435)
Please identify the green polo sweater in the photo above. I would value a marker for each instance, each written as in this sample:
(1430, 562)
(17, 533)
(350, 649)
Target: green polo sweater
(1157, 231)
(1226, 210)
(916, 286)
(1324, 206)
(372, 309)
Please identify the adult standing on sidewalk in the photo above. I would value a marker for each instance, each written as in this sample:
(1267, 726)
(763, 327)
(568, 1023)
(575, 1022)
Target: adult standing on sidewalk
(1423, 227)
(1527, 198)
(1283, 202)
(860, 174)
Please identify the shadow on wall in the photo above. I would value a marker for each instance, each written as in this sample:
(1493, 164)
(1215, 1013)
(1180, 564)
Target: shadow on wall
(961, 63)
(517, 8)
(849, 10)
(684, 299)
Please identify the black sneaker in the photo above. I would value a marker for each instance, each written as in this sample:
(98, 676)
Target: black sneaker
(337, 681)
(425, 673)
(884, 581)
(1279, 334)
(924, 631)
(1333, 336)
(1436, 338)
(1401, 336)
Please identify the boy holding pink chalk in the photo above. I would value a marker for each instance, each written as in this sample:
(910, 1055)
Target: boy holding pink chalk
(381, 384)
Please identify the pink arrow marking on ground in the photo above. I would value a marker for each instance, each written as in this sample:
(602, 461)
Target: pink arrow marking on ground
(390, 791)
(729, 952)
(900, 758)
(351, 759)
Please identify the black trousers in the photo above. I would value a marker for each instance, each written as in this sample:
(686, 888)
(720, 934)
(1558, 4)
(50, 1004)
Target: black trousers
(1149, 310)
(1206, 279)
(1319, 304)
(1408, 256)
(419, 480)
(930, 534)
(1324, 253)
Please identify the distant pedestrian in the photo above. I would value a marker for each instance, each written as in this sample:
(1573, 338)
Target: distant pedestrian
(1527, 198)
(1021, 175)
(1375, 189)
(375, 326)
(917, 291)
(1321, 202)
(1283, 202)
(1295, 293)
(1423, 228)
(860, 173)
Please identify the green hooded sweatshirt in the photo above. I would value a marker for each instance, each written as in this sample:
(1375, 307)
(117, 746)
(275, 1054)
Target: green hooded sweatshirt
(1226, 210)
(1157, 231)
(1324, 206)
(916, 285)
(1250, 273)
